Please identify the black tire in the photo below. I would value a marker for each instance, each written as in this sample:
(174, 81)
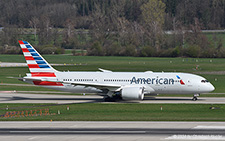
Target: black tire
(107, 99)
(194, 98)
(112, 99)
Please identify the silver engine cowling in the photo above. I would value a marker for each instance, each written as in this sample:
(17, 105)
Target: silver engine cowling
(132, 93)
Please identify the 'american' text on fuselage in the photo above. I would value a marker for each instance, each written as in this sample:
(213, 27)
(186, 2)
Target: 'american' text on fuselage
(165, 81)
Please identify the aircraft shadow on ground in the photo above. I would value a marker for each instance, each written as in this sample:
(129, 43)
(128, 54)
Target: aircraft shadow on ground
(15, 98)
(167, 99)
(94, 100)
(88, 100)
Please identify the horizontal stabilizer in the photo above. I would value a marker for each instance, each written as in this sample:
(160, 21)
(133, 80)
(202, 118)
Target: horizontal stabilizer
(103, 70)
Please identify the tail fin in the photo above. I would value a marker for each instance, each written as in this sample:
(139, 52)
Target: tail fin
(38, 66)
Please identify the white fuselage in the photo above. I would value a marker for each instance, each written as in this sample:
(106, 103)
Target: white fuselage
(126, 85)
(153, 82)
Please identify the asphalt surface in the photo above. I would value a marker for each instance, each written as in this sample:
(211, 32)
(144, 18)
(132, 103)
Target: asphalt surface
(107, 131)
(112, 130)
(14, 97)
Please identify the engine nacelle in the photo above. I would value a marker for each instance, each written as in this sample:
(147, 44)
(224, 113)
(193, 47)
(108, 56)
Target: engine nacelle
(132, 93)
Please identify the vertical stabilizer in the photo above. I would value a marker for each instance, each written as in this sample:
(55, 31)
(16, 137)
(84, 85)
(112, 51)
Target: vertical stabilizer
(38, 66)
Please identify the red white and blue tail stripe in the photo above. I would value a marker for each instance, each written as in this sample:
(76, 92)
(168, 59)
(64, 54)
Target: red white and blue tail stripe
(38, 66)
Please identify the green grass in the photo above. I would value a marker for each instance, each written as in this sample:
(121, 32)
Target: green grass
(217, 36)
(68, 51)
(123, 112)
(130, 64)
(12, 58)
(218, 81)
(23, 88)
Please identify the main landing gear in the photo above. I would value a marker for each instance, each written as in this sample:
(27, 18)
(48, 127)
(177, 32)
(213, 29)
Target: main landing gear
(108, 99)
(195, 97)
(112, 99)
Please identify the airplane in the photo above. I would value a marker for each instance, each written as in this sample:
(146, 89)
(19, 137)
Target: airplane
(111, 85)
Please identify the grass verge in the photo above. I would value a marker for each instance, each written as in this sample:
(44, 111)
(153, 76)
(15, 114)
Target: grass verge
(120, 112)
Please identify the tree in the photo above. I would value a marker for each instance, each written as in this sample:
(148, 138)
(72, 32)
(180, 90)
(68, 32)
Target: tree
(96, 49)
(69, 24)
(9, 35)
(153, 13)
(34, 24)
(44, 30)
(218, 11)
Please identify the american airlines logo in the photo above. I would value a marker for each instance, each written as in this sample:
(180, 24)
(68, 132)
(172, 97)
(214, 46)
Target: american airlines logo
(161, 81)
(181, 81)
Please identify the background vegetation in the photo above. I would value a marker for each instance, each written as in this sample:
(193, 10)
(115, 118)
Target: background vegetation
(115, 27)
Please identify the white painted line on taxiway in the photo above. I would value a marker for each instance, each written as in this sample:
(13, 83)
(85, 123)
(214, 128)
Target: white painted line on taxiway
(195, 137)
(209, 127)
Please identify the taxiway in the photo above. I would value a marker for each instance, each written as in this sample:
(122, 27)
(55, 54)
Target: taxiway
(105, 130)
(14, 97)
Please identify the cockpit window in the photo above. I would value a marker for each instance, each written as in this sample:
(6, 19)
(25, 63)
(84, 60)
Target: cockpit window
(204, 81)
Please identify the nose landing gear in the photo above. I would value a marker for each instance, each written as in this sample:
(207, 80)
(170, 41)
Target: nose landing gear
(195, 97)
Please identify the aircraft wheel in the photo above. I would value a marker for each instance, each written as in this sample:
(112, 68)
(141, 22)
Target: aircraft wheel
(112, 99)
(107, 99)
(194, 98)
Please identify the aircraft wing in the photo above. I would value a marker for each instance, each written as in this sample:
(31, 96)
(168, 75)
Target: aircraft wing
(32, 79)
(112, 87)
(27, 78)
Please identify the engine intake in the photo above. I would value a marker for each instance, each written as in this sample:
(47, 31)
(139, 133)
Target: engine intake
(132, 93)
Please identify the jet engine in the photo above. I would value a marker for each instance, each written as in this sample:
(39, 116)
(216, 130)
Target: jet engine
(132, 93)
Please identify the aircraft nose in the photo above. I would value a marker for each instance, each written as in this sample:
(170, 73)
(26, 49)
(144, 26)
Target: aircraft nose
(211, 88)
(207, 88)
